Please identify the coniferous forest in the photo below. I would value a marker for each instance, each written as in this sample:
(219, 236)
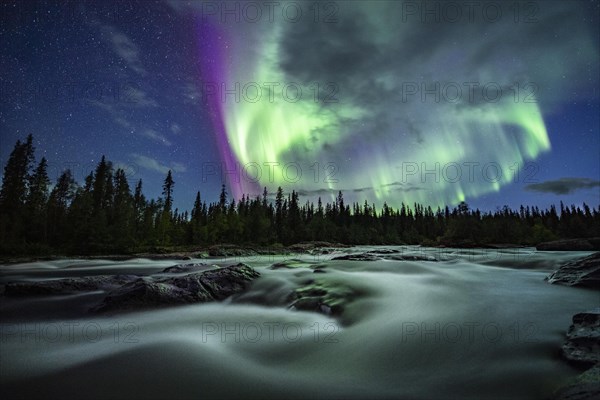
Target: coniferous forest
(105, 215)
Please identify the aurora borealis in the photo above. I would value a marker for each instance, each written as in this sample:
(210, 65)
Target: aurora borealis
(387, 101)
(458, 134)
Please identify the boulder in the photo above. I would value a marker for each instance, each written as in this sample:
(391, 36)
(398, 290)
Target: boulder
(66, 286)
(583, 339)
(585, 387)
(322, 297)
(585, 244)
(185, 268)
(358, 257)
(195, 287)
(296, 263)
(584, 272)
(582, 348)
(192, 284)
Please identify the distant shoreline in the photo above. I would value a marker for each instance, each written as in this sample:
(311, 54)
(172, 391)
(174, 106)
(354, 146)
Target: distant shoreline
(230, 250)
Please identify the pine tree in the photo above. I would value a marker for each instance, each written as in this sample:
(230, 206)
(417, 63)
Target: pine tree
(36, 203)
(123, 213)
(223, 199)
(58, 206)
(168, 191)
(14, 191)
(139, 207)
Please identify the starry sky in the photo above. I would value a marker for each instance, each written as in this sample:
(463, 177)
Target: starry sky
(389, 101)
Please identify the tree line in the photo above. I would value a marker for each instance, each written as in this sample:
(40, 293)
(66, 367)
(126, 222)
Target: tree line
(104, 215)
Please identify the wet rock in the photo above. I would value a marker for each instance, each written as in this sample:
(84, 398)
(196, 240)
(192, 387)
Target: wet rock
(196, 287)
(315, 247)
(230, 250)
(582, 348)
(358, 257)
(585, 387)
(66, 286)
(322, 297)
(385, 254)
(295, 263)
(383, 251)
(319, 269)
(411, 257)
(583, 339)
(163, 256)
(584, 272)
(193, 284)
(586, 244)
(289, 264)
(183, 268)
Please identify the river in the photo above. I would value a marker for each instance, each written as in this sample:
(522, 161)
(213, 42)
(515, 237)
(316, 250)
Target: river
(475, 324)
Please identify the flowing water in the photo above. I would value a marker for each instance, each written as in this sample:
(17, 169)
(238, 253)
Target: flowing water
(475, 324)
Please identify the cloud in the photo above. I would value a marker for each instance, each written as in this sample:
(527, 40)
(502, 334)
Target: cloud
(125, 48)
(118, 117)
(563, 185)
(316, 192)
(139, 98)
(191, 94)
(153, 165)
(175, 128)
(154, 135)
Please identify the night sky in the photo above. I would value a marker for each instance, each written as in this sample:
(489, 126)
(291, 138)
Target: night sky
(352, 96)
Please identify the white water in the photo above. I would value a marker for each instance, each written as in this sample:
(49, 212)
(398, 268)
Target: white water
(477, 324)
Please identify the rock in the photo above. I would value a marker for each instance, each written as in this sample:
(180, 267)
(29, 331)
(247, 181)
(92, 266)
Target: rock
(385, 254)
(583, 339)
(585, 387)
(358, 257)
(584, 272)
(315, 247)
(163, 256)
(182, 268)
(319, 269)
(193, 284)
(195, 287)
(67, 285)
(410, 257)
(322, 297)
(289, 264)
(296, 263)
(383, 251)
(585, 244)
(229, 250)
(583, 349)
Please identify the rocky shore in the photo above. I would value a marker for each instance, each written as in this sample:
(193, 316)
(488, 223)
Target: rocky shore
(586, 244)
(582, 344)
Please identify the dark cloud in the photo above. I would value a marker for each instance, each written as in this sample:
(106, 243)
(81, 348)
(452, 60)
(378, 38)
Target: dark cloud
(316, 192)
(563, 185)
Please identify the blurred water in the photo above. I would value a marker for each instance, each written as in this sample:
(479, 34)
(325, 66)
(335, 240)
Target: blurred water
(475, 324)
